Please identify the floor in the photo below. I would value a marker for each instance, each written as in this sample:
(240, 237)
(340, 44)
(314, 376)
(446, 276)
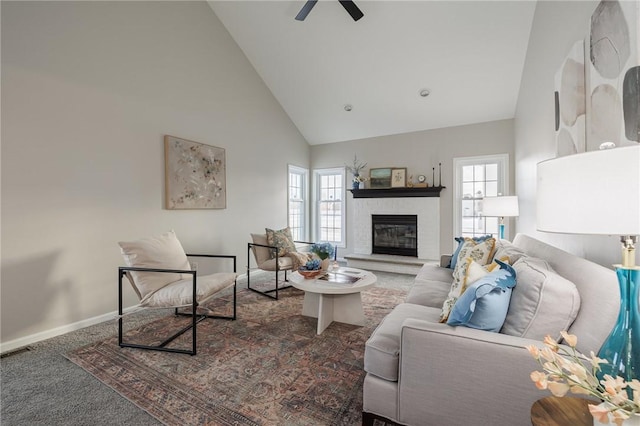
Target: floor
(39, 386)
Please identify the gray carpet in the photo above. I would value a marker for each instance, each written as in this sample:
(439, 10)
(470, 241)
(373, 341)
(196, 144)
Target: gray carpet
(40, 386)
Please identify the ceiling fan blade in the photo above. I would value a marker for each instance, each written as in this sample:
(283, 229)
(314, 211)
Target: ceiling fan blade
(353, 10)
(305, 10)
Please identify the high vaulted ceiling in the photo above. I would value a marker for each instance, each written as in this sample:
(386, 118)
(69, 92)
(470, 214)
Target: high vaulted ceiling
(468, 54)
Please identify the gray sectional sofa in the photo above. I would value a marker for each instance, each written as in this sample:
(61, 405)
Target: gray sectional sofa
(422, 372)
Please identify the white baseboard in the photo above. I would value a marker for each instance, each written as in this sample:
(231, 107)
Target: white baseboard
(58, 331)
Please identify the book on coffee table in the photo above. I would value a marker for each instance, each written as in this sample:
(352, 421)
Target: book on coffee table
(340, 278)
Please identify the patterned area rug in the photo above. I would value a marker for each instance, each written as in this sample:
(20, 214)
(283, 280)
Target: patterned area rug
(266, 368)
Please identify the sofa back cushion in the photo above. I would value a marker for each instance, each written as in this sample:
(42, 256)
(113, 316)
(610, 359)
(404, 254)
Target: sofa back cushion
(542, 301)
(505, 249)
(598, 287)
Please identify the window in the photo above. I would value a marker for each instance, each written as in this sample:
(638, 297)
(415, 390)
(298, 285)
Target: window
(475, 178)
(297, 208)
(330, 214)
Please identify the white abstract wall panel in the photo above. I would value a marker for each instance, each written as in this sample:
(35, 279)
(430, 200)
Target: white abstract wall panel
(570, 104)
(614, 74)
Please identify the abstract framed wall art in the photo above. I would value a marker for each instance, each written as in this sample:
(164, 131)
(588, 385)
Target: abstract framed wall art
(195, 175)
(614, 74)
(570, 104)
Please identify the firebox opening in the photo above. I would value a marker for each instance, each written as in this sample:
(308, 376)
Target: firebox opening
(395, 234)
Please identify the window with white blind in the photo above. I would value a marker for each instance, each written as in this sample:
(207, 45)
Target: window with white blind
(297, 207)
(330, 206)
(475, 178)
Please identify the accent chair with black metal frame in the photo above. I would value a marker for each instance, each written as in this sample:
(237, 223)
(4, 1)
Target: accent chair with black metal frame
(262, 253)
(162, 277)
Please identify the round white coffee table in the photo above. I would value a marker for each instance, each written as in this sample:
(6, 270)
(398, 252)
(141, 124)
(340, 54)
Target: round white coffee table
(330, 301)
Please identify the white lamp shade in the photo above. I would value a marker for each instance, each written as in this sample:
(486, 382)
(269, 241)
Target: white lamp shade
(596, 192)
(500, 206)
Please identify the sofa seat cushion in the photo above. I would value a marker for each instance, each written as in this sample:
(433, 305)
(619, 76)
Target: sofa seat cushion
(431, 286)
(542, 302)
(381, 354)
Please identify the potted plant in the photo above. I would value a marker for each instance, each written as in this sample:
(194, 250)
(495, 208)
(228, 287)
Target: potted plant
(355, 171)
(324, 251)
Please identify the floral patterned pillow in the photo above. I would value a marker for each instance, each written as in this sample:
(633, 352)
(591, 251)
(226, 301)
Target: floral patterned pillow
(480, 252)
(281, 239)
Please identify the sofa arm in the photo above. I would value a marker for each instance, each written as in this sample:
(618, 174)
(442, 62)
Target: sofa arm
(450, 375)
(445, 260)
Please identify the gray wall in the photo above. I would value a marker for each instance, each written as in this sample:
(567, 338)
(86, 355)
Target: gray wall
(419, 152)
(556, 27)
(88, 91)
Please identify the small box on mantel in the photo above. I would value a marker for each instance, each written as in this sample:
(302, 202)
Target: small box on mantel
(421, 185)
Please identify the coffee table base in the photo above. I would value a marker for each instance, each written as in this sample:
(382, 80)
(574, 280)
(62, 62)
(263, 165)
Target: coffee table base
(346, 308)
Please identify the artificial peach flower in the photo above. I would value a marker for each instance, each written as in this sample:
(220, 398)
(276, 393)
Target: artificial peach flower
(550, 342)
(558, 388)
(619, 417)
(571, 339)
(600, 413)
(534, 351)
(567, 370)
(595, 361)
(539, 378)
(548, 354)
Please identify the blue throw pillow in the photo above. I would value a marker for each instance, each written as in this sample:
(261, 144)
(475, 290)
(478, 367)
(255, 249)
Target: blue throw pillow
(485, 303)
(460, 240)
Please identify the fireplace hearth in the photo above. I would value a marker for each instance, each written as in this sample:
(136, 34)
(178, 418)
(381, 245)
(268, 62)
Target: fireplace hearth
(394, 234)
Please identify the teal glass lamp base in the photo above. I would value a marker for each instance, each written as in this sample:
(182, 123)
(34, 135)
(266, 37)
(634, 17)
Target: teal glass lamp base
(501, 231)
(622, 347)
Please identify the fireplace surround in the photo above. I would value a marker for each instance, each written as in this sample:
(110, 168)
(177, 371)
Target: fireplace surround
(428, 229)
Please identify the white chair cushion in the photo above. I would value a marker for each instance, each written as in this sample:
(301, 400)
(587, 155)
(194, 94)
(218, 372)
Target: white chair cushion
(283, 262)
(262, 254)
(180, 293)
(160, 252)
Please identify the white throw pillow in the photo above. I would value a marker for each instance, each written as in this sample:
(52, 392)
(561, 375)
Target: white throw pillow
(160, 252)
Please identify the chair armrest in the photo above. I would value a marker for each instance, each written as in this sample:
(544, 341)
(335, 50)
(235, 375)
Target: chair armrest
(218, 256)
(452, 374)
(262, 245)
(125, 269)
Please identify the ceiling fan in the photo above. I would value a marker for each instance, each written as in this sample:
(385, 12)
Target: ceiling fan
(349, 6)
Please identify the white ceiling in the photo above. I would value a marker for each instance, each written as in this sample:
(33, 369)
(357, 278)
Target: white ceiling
(468, 54)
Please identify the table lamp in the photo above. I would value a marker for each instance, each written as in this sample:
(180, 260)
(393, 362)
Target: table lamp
(506, 206)
(598, 192)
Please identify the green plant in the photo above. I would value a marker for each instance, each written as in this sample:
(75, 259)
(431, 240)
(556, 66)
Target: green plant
(322, 250)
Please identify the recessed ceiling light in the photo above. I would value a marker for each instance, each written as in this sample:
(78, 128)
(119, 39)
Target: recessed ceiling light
(348, 107)
(424, 93)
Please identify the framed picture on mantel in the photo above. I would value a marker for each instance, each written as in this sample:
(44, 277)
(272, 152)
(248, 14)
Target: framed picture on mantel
(398, 178)
(380, 178)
